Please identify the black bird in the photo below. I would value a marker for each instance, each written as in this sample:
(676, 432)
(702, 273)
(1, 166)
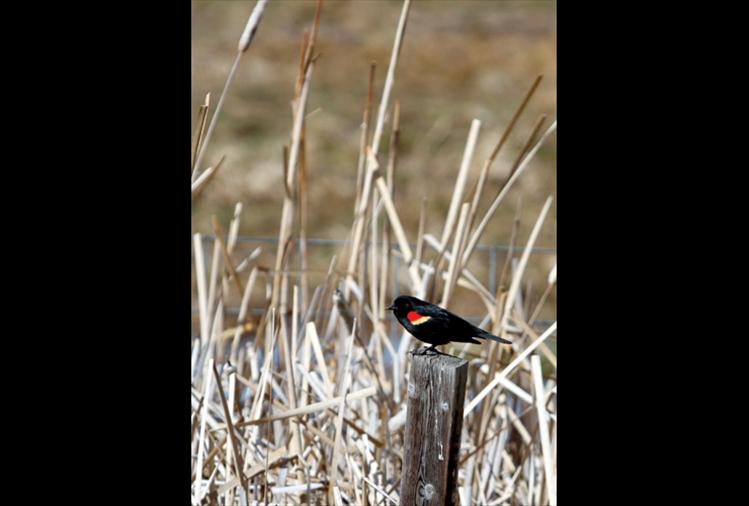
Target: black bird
(434, 325)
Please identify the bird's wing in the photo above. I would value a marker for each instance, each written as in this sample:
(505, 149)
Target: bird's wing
(451, 319)
(440, 314)
(472, 329)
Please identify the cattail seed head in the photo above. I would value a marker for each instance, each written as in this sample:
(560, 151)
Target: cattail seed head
(251, 27)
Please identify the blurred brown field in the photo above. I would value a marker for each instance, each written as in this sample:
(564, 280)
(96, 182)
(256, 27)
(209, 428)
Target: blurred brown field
(460, 60)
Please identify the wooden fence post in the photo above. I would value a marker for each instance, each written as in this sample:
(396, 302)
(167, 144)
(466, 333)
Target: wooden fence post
(436, 391)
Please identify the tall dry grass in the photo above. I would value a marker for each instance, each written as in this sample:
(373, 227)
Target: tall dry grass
(304, 402)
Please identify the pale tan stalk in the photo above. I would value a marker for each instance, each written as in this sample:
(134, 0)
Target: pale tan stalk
(498, 200)
(460, 183)
(244, 43)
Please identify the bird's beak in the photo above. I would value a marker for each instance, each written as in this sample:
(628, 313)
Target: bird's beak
(390, 308)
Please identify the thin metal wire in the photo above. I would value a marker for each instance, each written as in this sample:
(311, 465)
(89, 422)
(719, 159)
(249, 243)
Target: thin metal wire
(338, 242)
(234, 311)
(491, 249)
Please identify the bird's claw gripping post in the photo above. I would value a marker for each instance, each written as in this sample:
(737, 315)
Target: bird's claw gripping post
(431, 350)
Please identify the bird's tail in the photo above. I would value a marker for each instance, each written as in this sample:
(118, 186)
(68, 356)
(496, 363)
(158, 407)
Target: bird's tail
(487, 335)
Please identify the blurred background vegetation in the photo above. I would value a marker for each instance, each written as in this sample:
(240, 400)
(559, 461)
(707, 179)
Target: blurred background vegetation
(460, 60)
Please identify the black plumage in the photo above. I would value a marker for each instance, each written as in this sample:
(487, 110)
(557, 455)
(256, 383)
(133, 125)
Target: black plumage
(434, 325)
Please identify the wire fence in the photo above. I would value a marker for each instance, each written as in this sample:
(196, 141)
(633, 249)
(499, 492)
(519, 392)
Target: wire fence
(491, 251)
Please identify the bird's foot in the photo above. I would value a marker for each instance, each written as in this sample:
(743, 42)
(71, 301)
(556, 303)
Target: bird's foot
(431, 350)
(422, 351)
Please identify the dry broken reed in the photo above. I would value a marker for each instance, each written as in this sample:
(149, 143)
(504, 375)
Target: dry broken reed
(305, 403)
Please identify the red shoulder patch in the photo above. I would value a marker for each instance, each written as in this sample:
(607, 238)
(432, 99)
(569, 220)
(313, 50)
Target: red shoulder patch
(416, 319)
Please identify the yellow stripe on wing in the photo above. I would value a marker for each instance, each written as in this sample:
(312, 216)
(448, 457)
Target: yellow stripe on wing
(421, 320)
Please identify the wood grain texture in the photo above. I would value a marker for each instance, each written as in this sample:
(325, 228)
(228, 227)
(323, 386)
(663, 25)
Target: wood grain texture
(436, 392)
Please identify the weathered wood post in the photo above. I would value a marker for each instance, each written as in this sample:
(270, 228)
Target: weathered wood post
(434, 419)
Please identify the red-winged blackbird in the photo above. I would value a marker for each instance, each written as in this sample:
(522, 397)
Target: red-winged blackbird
(434, 325)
